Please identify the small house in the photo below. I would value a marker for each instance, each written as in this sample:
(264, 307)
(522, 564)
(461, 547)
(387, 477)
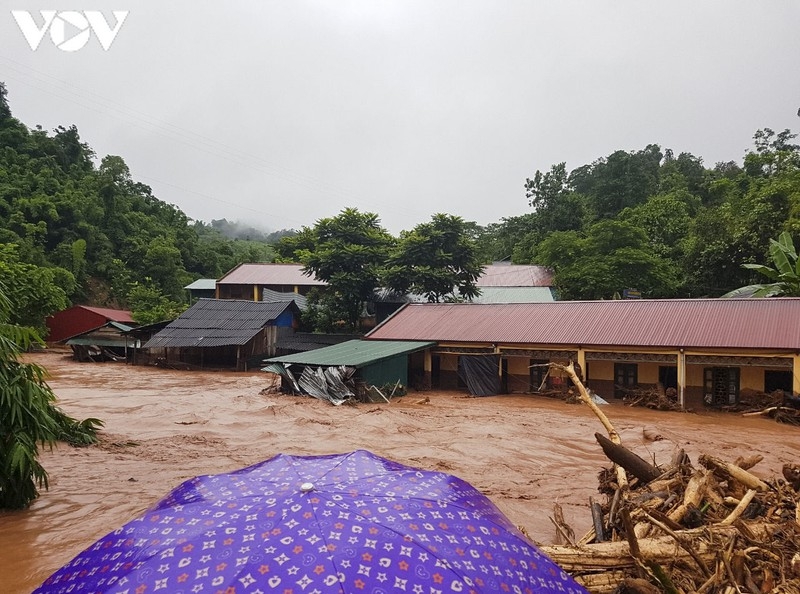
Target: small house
(79, 319)
(248, 281)
(223, 333)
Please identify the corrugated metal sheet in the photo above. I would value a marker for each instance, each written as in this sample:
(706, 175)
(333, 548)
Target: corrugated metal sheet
(772, 323)
(202, 284)
(281, 297)
(515, 275)
(514, 295)
(82, 318)
(269, 274)
(218, 322)
(353, 353)
(112, 315)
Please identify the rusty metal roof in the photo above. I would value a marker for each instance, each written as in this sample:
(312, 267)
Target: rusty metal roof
(269, 274)
(219, 322)
(515, 275)
(772, 323)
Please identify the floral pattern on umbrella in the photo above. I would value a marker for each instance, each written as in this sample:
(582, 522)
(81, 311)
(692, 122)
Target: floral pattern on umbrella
(344, 523)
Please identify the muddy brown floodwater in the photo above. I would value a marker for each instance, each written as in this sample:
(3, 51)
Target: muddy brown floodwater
(163, 426)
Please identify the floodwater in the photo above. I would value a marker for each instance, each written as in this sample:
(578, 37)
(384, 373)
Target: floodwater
(165, 426)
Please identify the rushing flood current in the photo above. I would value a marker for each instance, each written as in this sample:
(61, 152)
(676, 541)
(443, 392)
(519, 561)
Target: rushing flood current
(164, 426)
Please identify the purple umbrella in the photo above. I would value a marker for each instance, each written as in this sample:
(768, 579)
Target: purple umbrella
(319, 524)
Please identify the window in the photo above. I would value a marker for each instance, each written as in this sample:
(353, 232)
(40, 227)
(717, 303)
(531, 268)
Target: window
(538, 374)
(720, 386)
(668, 376)
(626, 376)
(778, 380)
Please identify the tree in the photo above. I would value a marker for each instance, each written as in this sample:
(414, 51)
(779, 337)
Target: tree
(610, 257)
(149, 305)
(32, 292)
(666, 219)
(28, 416)
(438, 260)
(785, 274)
(620, 180)
(348, 252)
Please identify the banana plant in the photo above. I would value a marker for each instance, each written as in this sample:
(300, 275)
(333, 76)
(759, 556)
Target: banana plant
(784, 274)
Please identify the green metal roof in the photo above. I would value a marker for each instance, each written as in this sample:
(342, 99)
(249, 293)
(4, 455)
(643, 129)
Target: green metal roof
(354, 353)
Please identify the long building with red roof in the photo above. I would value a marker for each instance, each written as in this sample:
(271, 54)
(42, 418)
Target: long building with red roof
(707, 350)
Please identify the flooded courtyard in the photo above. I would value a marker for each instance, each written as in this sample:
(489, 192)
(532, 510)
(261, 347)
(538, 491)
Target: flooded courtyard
(162, 427)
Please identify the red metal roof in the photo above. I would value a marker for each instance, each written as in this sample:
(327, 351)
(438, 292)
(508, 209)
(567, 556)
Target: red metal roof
(82, 318)
(515, 275)
(269, 274)
(772, 323)
(112, 315)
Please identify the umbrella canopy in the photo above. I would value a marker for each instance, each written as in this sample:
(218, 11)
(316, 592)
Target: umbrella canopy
(344, 523)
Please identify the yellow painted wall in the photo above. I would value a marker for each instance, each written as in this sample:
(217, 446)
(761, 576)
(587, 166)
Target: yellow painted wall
(648, 373)
(519, 366)
(694, 375)
(601, 370)
(751, 377)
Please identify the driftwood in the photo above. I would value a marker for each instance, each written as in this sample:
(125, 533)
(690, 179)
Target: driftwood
(661, 549)
(710, 529)
(732, 471)
(633, 463)
(585, 397)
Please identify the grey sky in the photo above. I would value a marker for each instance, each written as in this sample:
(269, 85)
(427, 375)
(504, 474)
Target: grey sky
(280, 113)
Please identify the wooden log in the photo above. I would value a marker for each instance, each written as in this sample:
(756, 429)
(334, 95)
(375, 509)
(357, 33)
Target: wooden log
(660, 549)
(692, 496)
(638, 586)
(746, 463)
(604, 582)
(597, 520)
(633, 463)
(739, 509)
(732, 471)
(622, 479)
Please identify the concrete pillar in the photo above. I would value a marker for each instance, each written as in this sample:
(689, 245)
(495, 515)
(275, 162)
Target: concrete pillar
(682, 378)
(582, 362)
(796, 374)
(427, 369)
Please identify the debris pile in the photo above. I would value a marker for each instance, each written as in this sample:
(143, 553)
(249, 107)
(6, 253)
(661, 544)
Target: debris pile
(783, 407)
(711, 527)
(653, 398)
(335, 384)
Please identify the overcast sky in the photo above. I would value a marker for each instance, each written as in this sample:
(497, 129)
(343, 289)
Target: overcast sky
(280, 113)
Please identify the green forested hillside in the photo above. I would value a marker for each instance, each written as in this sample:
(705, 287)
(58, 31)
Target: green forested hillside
(75, 229)
(664, 224)
(97, 235)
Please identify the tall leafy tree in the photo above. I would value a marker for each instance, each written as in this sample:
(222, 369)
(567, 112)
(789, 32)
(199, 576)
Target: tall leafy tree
(349, 252)
(29, 417)
(438, 259)
(618, 181)
(32, 292)
(610, 257)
